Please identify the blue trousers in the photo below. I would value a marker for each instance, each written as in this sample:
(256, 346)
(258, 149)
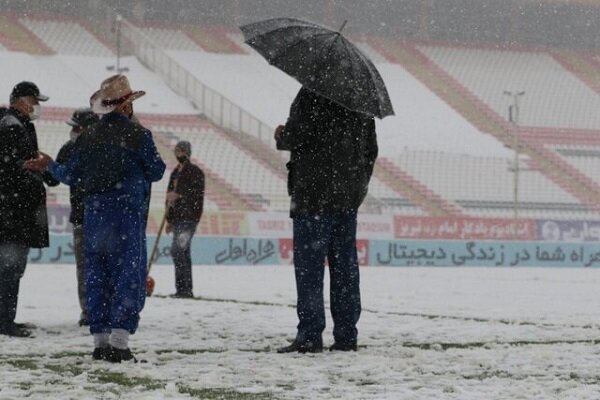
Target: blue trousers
(115, 270)
(332, 236)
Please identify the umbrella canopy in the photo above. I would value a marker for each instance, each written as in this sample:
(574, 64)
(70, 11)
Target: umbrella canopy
(323, 61)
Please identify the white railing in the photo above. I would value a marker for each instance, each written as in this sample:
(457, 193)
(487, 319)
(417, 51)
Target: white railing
(211, 103)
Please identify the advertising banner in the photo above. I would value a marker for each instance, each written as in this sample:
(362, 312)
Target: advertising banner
(406, 253)
(415, 227)
(482, 254)
(205, 251)
(568, 231)
(374, 227)
(266, 224)
(58, 220)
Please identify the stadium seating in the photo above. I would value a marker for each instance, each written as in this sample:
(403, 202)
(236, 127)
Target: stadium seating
(487, 73)
(580, 64)
(239, 168)
(171, 39)
(66, 37)
(216, 39)
(559, 177)
(585, 158)
(486, 185)
(16, 37)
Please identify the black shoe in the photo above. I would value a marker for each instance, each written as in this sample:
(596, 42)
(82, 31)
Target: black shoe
(116, 355)
(182, 296)
(83, 322)
(25, 325)
(101, 353)
(343, 347)
(15, 330)
(306, 347)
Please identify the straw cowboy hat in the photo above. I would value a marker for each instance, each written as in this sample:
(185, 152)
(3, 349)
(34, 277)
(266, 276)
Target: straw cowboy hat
(113, 92)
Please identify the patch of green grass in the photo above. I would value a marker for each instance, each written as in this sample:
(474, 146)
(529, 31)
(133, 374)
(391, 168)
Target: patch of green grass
(63, 369)
(23, 363)
(366, 382)
(119, 378)
(516, 343)
(25, 386)
(65, 354)
(190, 351)
(234, 301)
(286, 386)
(223, 394)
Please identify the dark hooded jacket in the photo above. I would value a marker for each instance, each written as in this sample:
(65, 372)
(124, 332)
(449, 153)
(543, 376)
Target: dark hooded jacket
(23, 214)
(75, 191)
(333, 151)
(189, 184)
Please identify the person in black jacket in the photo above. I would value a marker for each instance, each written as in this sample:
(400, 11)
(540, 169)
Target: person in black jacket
(333, 151)
(185, 200)
(23, 214)
(82, 120)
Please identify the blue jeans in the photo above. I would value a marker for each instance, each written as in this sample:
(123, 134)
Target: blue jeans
(183, 232)
(13, 260)
(316, 237)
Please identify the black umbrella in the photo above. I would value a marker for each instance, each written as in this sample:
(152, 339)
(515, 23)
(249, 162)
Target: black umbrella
(323, 61)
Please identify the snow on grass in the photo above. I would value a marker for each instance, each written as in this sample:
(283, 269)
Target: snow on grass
(425, 333)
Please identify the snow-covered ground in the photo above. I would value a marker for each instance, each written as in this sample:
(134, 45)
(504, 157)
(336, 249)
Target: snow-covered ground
(425, 333)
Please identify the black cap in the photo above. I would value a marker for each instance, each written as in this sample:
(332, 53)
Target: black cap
(83, 117)
(25, 88)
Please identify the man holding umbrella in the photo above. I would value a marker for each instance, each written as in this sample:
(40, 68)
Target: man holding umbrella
(330, 134)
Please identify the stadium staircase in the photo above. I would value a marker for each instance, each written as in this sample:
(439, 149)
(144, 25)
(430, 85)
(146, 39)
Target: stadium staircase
(168, 36)
(218, 190)
(275, 161)
(486, 120)
(581, 65)
(14, 36)
(65, 35)
(213, 39)
(413, 190)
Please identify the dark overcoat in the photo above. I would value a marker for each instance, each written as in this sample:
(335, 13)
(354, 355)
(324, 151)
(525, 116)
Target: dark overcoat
(333, 151)
(23, 214)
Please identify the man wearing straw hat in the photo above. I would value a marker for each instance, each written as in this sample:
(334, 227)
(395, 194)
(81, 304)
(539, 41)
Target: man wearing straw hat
(114, 163)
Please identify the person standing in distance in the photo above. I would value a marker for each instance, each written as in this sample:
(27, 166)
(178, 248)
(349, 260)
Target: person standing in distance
(81, 122)
(185, 201)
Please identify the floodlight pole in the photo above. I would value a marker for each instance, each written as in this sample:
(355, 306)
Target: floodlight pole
(117, 67)
(513, 118)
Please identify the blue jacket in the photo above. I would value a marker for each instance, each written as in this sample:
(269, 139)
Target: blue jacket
(114, 164)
